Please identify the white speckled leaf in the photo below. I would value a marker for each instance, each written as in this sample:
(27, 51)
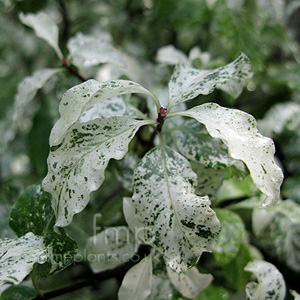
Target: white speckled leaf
(209, 180)
(238, 131)
(22, 114)
(137, 282)
(27, 89)
(88, 50)
(283, 113)
(81, 97)
(124, 169)
(196, 144)
(44, 28)
(169, 55)
(111, 247)
(162, 289)
(181, 224)
(18, 256)
(270, 284)
(110, 107)
(191, 282)
(277, 230)
(187, 83)
(76, 166)
(135, 225)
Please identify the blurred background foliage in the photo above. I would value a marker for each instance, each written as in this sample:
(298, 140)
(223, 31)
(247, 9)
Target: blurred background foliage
(268, 31)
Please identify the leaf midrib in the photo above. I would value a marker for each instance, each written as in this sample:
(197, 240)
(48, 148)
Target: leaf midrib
(163, 151)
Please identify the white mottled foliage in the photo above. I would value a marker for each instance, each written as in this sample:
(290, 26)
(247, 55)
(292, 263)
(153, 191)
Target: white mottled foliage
(18, 256)
(124, 169)
(22, 113)
(191, 282)
(278, 230)
(171, 56)
(27, 89)
(283, 113)
(133, 223)
(194, 142)
(162, 288)
(81, 97)
(92, 50)
(111, 247)
(209, 180)
(181, 224)
(238, 131)
(270, 284)
(187, 83)
(110, 107)
(137, 282)
(76, 166)
(44, 27)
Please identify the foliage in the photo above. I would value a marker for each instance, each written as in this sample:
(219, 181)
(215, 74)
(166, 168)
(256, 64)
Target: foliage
(160, 183)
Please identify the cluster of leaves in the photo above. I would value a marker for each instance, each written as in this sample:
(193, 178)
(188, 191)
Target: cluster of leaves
(174, 176)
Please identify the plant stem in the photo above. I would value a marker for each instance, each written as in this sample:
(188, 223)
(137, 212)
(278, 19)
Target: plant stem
(118, 272)
(71, 69)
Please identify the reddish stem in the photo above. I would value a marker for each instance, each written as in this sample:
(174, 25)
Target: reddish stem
(161, 118)
(71, 69)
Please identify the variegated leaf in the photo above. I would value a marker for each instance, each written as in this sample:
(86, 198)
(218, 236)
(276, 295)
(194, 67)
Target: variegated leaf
(124, 169)
(22, 113)
(76, 166)
(33, 213)
(27, 89)
(270, 284)
(169, 55)
(180, 223)
(162, 289)
(238, 131)
(196, 144)
(44, 27)
(277, 231)
(191, 282)
(209, 180)
(81, 97)
(135, 225)
(111, 247)
(187, 83)
(110, 107)
(18, 256)
(91, 50)
(283, 113)
(137, 282)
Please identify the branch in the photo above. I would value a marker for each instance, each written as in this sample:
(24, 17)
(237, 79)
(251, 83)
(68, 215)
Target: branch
(65, 21)
(96, 278)
(71, 69)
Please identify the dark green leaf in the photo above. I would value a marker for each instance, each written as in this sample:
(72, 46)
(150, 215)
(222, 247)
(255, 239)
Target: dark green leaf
(18, 292)
(234, 270)
(231, 236)
(33, 213)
